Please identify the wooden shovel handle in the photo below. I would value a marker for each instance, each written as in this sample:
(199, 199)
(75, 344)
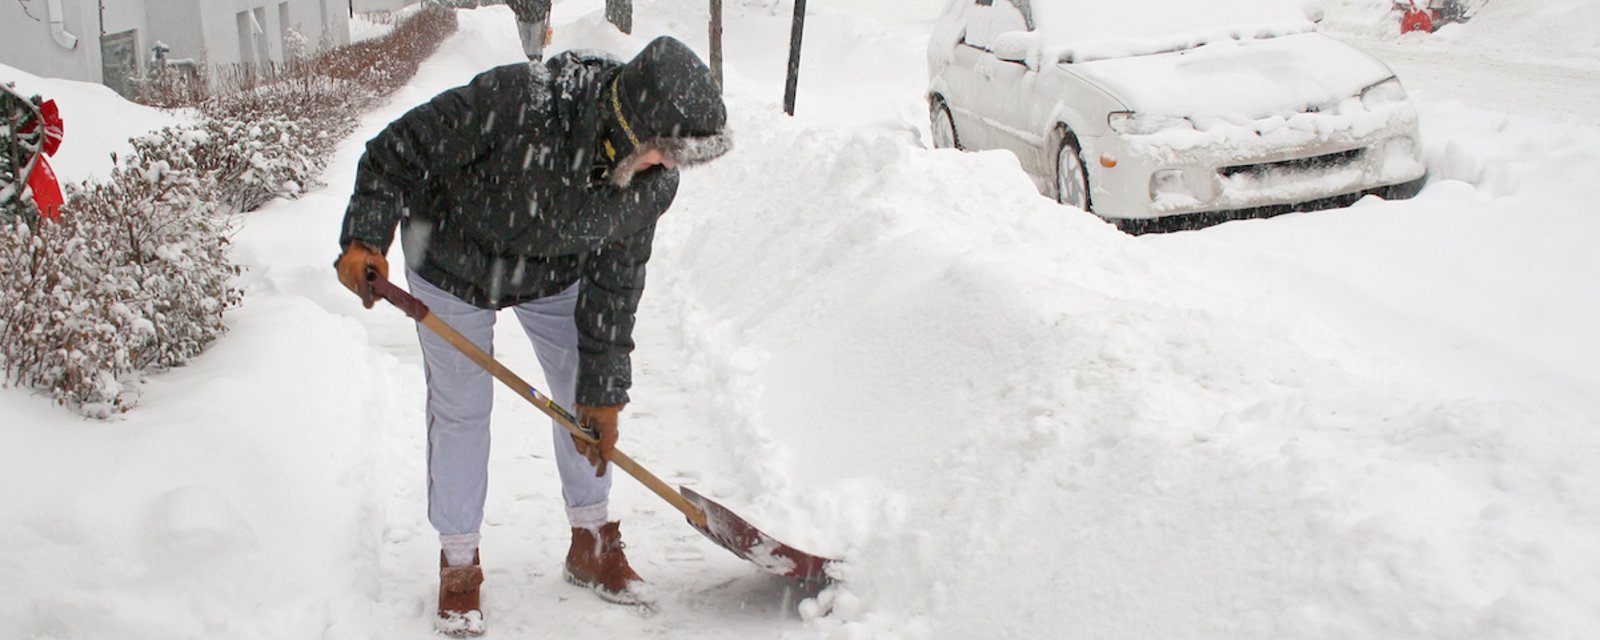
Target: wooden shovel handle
(419, 312)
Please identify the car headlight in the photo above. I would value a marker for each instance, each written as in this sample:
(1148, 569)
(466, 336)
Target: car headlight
(1132, 123)
(1387, 92)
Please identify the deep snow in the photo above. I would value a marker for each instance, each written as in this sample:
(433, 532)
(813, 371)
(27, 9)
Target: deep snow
(1009, 419)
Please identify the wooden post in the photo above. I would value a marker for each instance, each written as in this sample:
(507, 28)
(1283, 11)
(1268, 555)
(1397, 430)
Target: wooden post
(794, 56)
(716, 40)
(620, 13)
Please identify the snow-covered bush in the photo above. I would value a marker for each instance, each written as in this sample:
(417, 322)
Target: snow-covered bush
(272, 140)
(386, 63)
(255, 148)
(296, 46)
(134, 276)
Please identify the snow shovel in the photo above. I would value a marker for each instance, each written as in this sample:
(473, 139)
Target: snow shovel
(715, 521)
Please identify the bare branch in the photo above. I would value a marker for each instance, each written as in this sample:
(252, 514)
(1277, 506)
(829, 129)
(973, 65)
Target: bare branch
(26, 12)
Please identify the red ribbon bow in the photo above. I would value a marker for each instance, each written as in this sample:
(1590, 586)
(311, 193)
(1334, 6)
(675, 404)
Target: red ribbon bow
(46, 189)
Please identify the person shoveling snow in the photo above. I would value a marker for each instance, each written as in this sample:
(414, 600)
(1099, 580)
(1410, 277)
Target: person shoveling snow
(535, 188)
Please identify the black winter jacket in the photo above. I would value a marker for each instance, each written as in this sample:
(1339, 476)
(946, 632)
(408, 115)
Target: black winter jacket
(497, 191)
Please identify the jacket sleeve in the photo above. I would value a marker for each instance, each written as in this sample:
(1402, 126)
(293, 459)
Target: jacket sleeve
(436, 138)
(613, 283)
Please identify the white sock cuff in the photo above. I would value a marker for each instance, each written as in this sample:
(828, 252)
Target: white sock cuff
(459, 548)
(590, 517)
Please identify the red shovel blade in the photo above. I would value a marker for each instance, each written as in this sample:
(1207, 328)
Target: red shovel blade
(733, 533)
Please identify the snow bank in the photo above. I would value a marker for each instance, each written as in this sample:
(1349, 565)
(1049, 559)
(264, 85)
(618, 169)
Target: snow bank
(1010, 419)
(220, 509)
(90, 136)
(1565, 31)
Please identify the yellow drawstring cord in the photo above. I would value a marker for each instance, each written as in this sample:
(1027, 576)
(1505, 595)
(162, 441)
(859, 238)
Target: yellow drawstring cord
(616, 106)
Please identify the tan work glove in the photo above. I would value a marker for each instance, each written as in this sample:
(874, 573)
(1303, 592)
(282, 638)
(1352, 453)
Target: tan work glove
(603, 422)
(353, 265)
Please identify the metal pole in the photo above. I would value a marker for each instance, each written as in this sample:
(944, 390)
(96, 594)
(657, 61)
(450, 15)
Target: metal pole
(716, 40)
(620, 13)
(794, 56)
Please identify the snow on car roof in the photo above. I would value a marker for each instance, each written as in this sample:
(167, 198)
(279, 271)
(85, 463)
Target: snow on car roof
(1083, 30)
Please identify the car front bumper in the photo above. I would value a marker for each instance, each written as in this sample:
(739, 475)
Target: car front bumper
(1203, 219)
(1234, 172)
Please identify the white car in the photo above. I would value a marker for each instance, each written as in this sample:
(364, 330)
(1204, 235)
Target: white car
(1159, 116)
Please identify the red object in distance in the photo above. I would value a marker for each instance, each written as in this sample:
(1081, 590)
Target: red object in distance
(1417, 20)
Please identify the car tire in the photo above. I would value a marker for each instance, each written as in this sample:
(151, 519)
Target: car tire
(943, 127)
(1072, 177)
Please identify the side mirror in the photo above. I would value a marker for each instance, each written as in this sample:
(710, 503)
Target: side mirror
(1018, 46)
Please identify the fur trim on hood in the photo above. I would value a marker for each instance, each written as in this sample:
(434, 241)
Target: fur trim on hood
(683, 152)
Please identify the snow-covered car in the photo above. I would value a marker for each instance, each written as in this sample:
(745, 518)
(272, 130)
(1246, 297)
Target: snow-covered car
(1164, 115)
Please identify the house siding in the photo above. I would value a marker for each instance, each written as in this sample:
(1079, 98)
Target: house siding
(204, 30)
(26, 42)
(365, 6)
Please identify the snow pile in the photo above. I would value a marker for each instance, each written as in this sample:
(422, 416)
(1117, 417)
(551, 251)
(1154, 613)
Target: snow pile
(1091, 30)
(90, 136)
(1563, 31)
(991, 404)
(1013, 421)
(1086, 31)
(1236, 80)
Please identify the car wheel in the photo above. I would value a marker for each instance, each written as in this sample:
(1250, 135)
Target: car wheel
(1072, 178)
(944, 127)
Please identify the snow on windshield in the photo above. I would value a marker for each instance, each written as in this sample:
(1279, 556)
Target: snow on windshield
(1085, 30)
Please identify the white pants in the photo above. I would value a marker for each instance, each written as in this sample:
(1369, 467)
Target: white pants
(461, 394)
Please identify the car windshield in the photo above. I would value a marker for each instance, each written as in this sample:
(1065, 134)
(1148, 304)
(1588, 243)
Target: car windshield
(1083, 30)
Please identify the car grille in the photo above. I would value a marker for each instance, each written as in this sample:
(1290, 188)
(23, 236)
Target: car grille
(1314, 163)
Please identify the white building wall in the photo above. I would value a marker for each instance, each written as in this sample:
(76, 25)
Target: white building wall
(320, 21)
(200, 29)
(26, 41)
(368, 6)
(176, 23)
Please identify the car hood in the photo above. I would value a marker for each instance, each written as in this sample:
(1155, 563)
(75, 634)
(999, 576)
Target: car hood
(1238, 79)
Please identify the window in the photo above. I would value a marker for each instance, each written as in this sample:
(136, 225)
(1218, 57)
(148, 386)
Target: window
(253, 37)
(247, 49)
(258, 30)
(1008, 17)
(987, 19)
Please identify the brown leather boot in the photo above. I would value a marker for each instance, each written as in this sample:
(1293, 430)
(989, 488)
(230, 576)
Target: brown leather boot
(459, 614)
(599, 564)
